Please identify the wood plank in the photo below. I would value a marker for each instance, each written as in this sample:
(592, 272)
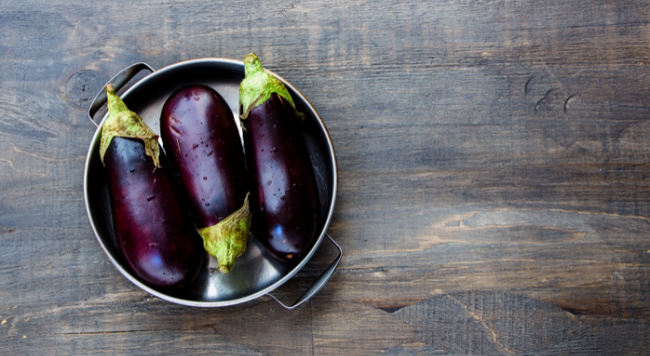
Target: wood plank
(492, 156)
(322, 328)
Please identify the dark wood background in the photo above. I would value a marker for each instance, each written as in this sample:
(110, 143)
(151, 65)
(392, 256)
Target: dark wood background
(494, 176)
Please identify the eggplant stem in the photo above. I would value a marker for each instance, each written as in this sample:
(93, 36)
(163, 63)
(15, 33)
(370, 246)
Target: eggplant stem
(122, 122)
(258, 86)
(227, 240)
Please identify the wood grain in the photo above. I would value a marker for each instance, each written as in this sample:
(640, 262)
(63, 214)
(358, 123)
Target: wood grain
(325, 328)
(494, 193)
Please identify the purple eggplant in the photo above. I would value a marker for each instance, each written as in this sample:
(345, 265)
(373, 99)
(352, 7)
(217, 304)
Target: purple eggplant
(152, 229)
(202, 141)
(284, 199)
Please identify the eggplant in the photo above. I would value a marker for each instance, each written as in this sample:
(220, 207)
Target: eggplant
(284, 199)
(152, 228)
(202, 141)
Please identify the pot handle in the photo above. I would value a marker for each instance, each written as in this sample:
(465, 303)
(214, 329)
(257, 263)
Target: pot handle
(118, 81)
(319, 284)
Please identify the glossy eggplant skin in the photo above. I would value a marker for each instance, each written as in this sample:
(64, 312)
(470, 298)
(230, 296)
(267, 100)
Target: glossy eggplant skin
(202, 140)
(284, 199)
(152, 229)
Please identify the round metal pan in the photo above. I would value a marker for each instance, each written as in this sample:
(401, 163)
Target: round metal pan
(255, 273)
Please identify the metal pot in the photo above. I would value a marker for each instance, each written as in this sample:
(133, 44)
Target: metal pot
(256, 273)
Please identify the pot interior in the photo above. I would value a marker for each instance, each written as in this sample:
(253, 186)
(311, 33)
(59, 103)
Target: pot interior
(255, 272)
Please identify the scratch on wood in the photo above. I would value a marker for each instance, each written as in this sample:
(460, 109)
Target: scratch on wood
(105, 332)
(495, 337)
(442, 223)
(11, 164)
(527, 83)
(566, 102)
(98, 301)
(540, 101)
(16, 149)
(581, 235)
(427, 242)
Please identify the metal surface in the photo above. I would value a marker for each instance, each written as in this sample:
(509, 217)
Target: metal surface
(255, 273)
(118, 81)
(320, 282)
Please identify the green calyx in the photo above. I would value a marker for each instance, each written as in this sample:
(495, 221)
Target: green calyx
(227, 240)
(122, 122)
(258, 85)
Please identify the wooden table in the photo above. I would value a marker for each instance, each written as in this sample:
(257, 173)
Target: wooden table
(494, 170)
